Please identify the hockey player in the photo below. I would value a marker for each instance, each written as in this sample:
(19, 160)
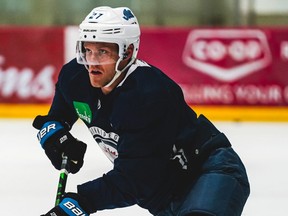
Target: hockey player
(166, 158)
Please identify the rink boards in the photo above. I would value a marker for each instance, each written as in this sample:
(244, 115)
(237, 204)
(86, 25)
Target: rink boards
(218, 113)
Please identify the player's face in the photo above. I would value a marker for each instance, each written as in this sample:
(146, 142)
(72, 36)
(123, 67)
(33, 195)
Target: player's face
(102, 58)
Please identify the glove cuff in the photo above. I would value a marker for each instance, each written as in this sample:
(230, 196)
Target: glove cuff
(48, 129)
(71, 207)
(82, 201)
(39, 121)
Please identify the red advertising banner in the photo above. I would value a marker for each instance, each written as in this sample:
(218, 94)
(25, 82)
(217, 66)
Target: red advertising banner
(30, 59)
(222, 66)
(213, 66)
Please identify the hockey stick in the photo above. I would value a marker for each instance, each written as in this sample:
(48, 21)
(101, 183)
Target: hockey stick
(62, 179)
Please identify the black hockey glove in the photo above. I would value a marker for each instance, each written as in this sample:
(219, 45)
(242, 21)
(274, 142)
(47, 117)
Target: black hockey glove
(56, 140)
(71, 204)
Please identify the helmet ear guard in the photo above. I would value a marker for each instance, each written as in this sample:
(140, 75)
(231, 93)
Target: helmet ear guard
(125, 55)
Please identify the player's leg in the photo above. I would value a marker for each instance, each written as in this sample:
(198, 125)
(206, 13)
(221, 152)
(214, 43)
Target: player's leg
(221, 190)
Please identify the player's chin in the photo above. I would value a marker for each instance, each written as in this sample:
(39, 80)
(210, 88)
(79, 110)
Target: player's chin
(95, 82)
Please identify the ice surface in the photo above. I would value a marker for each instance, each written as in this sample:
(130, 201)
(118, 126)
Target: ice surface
(28, 181)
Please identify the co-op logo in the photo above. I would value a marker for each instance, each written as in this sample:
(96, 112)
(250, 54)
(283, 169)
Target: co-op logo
(227, 55)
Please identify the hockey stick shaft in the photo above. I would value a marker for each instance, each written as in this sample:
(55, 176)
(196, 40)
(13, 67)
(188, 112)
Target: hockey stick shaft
(62, 179)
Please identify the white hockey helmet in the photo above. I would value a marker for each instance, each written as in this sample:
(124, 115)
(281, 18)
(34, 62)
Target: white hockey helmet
(110, 25)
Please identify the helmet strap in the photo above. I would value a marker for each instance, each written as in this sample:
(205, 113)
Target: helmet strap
(119, 72)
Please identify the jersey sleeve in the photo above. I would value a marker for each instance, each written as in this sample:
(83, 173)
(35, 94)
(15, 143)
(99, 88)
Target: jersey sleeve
(61, 106)
(61, 109)
(104, 193)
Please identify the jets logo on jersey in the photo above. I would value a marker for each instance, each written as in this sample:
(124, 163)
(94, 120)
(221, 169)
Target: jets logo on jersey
(107, 141)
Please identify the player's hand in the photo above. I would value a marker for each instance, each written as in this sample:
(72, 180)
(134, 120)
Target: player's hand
(57, 141)
(71, 204)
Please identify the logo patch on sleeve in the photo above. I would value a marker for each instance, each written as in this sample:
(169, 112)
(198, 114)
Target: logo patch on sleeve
(83, 110)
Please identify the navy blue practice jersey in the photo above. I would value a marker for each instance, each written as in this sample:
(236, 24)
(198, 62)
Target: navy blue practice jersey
(137, 126)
